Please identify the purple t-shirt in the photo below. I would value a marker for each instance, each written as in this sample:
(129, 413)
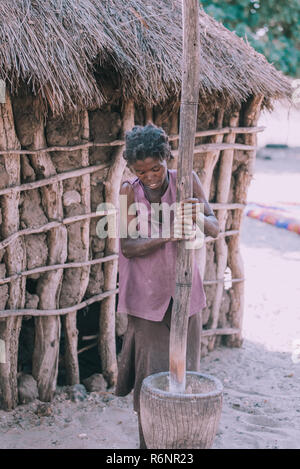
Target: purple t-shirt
(147, 283)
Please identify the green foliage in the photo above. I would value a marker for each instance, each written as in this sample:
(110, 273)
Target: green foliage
(272, 27)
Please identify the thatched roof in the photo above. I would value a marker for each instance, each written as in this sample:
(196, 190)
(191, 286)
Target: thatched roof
(64, 48)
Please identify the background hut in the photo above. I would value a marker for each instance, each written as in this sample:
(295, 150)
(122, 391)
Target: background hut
(79, 74)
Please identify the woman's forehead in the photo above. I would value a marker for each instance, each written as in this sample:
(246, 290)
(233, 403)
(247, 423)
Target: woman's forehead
(147, 163)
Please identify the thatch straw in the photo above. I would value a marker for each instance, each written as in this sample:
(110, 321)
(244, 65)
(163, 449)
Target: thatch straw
(65, 48)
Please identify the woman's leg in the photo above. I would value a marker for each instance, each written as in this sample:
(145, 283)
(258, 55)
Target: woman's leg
(126, 365)
(147, 352)
(151, 351)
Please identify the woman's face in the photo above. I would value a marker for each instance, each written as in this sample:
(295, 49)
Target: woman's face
(151, 172)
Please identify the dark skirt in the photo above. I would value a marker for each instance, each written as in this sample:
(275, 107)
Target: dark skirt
(145, 351)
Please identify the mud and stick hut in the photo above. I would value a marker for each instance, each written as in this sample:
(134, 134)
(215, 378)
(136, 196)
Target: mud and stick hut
(78, 75)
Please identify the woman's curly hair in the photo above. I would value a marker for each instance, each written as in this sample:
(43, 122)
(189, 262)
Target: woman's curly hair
(148, 141)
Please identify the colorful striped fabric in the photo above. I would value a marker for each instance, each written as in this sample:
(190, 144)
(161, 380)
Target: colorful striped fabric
(284, 215)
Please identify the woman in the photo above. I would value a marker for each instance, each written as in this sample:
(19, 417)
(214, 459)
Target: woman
(147, 262)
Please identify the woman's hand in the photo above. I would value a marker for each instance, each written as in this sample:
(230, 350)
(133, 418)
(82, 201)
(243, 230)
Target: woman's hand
(190, 208)
(183, 227)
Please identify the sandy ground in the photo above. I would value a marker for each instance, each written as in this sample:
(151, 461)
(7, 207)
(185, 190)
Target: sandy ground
(261, 379)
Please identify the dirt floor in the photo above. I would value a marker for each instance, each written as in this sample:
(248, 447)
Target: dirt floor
(261, 379)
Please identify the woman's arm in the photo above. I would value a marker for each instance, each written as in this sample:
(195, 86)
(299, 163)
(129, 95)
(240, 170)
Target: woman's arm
(135, 247)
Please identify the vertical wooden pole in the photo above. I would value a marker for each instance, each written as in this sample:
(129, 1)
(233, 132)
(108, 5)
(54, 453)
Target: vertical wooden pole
(221, 250)
(235, 261)
(47, 328)
(210, 160)
(107, 330)
(15, 259)
(184, 260)
(70, 320)
(148, 114)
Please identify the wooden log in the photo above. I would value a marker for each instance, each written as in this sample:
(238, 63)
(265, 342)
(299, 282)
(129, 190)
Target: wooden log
(209, 239)
(47, 329)
(223, 131)
(174, 124)
(89, 337)
(221, 280)
(223, 187)
(47, 268)
(38, 151)
(184, 189)
(211, 147)
(107, 339)
(87, 347)
(56, 178)
(220, 331)
(14, 259)
(211, 157)
(51, 225)
(72, 265)
(60, 311)
(227, 206)
(114, 143)
(206, 149)
(82, 274)
(148, 114)
(209, 162)
(235, 262)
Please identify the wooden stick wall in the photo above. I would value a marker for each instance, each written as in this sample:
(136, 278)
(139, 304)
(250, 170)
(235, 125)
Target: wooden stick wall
(220, 150)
